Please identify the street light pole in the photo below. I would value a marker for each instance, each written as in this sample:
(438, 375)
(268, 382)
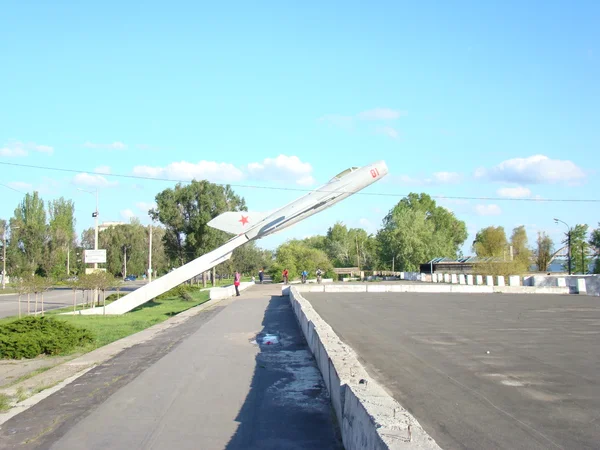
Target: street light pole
(95, 216)
(568, 242)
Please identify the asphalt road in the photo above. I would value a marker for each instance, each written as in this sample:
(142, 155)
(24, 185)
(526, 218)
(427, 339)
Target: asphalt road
(53, 299)
(537, 388)
(217, 381)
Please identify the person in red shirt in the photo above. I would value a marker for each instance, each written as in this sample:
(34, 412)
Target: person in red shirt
(236, 283)
(285, 276)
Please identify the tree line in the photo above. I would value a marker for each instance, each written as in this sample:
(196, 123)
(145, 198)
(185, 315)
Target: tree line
(43, 240)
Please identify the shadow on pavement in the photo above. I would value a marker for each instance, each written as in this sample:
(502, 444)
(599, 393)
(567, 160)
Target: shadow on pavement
(288, 406)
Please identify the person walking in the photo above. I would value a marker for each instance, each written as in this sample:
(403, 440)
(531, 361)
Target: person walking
(285, 276)
(261, 275)
(236, 283)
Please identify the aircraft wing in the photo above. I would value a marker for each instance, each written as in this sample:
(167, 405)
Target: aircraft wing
(237, 222)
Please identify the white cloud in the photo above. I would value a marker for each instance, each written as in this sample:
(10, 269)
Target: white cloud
(102, 169)
(127, 214)
(514, 192)
(436, 178)
(446, 177)
(488, 210)
(16, 148)
(12, 151)
(283, 168)
(533, 169)
(388, 131)
(183, 170)
(86, 179)
(380, 114)
(114, 146)
(145, 207)
(43, 149)
(20, 186)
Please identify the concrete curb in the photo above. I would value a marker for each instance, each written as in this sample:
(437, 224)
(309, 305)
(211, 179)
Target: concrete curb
(429, 288)
(369, 418)
(63, 374)
(228, 291)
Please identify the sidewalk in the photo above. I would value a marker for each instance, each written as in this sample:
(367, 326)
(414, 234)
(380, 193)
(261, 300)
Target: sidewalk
(240, 377)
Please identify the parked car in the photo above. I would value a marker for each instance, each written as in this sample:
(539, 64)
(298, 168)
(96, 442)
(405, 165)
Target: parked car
(130, 278)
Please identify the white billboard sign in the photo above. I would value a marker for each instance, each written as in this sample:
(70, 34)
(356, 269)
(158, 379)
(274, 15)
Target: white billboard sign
(94, 256)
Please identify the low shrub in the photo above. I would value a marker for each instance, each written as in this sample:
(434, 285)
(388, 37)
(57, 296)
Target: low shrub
(183, 291)
(32, 336)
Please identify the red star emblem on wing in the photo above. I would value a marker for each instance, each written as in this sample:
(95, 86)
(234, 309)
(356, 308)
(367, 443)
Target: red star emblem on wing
(244, 220)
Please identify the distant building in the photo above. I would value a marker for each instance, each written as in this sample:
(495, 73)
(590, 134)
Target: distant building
(465, 265)
(449, 265)
(106, 225)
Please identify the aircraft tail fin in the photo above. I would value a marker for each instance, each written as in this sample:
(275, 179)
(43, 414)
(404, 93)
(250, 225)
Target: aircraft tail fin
(236, 222)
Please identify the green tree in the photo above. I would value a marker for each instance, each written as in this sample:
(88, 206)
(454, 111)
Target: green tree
(594, 242)
(61, 236)
(296, 256)
(30, 234)
(543, 252)
(417, 230)
(490, 242)
(521, 252)
(248, 259)
(185, 211)
(579, 249)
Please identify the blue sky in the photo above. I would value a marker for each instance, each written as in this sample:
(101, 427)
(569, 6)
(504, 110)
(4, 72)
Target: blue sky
(461, 99)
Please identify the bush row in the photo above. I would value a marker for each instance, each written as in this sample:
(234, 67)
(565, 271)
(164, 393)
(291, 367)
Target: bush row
(32, 336)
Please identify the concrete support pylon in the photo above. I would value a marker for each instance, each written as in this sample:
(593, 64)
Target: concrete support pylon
(170, 280)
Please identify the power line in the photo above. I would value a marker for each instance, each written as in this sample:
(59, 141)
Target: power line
(273, 188)
(11, 188)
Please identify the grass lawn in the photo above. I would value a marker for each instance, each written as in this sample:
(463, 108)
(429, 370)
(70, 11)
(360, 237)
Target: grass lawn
(8, 290)
(107, 329)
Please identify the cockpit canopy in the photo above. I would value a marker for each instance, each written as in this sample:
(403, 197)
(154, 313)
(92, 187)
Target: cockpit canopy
(340, 175)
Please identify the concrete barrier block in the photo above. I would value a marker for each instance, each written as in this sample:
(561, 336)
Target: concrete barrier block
(561, 282)
(345, 288)
(489, 280)
(446, 278)
(581, 288)
(377, 287)
(398, 287)
(285, 290)
(500, 280)
(402, 275)
(461, 279)
(358, 430)
(337, 392)
(470, 280)
(465, 289)
(434, 278)
(453, 278)
(514, 280)
(479, 280)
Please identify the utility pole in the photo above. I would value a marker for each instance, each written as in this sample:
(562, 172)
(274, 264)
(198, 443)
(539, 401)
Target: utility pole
(124, 262)
(4, 256)
(68, 260)
(4, 261)
(568, 242)
(393, 257)
(150, 256)
(569, 237)
(583, 268)
(357, 255)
